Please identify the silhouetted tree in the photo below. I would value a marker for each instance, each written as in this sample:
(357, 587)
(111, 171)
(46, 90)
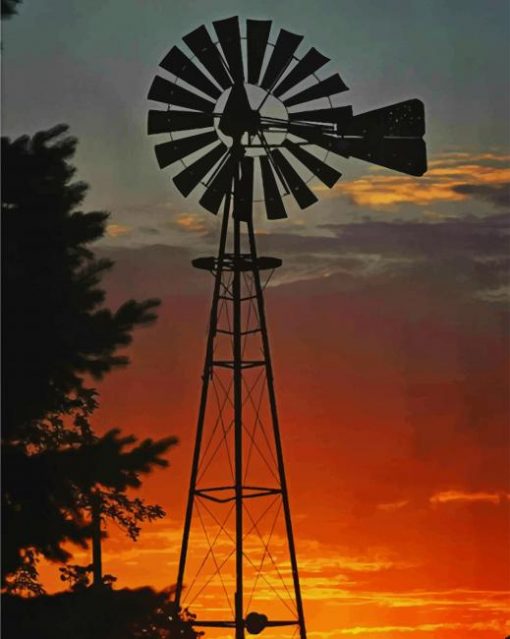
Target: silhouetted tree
(96, 614)
(9, 8)
(56, 327)
(56, 331)
(79, 577)
(55, 470)
(45, 493)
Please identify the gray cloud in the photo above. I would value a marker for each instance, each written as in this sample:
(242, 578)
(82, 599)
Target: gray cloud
(466, 257)
(496, 194)
(470, 253)
(149, 230)
(471, 236)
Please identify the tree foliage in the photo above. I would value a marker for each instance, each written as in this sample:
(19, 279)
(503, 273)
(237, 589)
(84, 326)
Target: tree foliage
(97, 614)
(57, 332)
(79, 577)
(57, 326)
(9, 8)
(45, 494)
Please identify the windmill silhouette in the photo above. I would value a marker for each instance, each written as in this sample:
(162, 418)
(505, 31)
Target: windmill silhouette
(241, 134)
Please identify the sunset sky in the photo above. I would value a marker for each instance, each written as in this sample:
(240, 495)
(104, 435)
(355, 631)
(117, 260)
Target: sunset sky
(388, 320)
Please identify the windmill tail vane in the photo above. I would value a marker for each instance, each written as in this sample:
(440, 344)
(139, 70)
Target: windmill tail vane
(249, 120)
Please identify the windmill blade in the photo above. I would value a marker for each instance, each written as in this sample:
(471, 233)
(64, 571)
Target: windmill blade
(404, 119)
(168, 121)
(275, 208)
(169, 152)
(179, 64)
(407, 155)
(316, 136)
(243, 193)
(229, 36)
(284, 49)
(336, 115)
(327, 174)
(330, 86)
(199, 41)
(309, 64)
(219, 186)
(191, 176)
(170, 93)
(257, 35)
(297, 186)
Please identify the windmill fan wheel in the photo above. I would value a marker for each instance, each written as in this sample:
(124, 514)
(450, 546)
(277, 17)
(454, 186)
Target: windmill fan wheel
(244, 110)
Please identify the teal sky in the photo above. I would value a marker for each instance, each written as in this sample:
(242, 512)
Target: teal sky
(90, 64)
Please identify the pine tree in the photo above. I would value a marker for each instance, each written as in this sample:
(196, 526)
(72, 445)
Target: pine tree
(57, 333)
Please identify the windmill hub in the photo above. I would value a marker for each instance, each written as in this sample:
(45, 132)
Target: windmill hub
(244, 110)
(238, 116)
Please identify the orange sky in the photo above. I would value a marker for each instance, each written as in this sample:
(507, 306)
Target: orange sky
(393, 398)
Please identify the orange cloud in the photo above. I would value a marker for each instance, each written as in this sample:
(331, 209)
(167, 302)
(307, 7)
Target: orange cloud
(419, 612)
(191, 222)
(117, 230)
(424, 627)
(449, 496)
(468, 600)
(438, 185)
(473, 172)
(455, 157)
(392, 506)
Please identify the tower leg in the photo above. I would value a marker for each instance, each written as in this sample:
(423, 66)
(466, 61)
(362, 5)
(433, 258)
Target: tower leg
(238, 429)
(276, 430)
(206, 375)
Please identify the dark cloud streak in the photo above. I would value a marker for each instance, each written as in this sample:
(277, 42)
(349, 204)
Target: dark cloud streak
(496, 194)
(465, 257)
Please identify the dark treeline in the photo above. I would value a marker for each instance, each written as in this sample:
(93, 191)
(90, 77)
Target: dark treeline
(62, 482)
(56, 330)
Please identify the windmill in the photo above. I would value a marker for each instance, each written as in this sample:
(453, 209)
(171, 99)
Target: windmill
(249, 121)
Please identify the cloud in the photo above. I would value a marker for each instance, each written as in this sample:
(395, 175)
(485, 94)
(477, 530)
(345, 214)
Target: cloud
(500, 294)
(496, 194)
(455, 496)
(469, 255)
(192, 223)
(149, 230)
(471, 601)
(383, 191)
(118, 230)
(455, 157)
(468, 236)
(326, 560)
(480, 611)
(494, 625)
(392, 506)
(449, 179)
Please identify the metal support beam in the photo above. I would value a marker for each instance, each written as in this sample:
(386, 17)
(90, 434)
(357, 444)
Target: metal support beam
(238, 419)
(276, 431)
(206, 375)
